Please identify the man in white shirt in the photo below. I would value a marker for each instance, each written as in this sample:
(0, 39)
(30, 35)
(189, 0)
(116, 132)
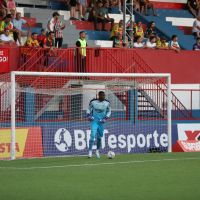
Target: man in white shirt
(18, 22)
(138, 43)
(5, 38)
(196, 27)
(151, 43)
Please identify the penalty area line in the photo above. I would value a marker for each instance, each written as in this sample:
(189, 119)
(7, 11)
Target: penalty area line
(99, 164)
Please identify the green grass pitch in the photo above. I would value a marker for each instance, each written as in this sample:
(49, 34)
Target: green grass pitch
(156, 176)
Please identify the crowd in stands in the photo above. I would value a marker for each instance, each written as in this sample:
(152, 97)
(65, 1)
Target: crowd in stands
(148, 38)
(11, 26)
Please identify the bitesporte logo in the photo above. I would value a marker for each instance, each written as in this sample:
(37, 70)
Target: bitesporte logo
(62, 140)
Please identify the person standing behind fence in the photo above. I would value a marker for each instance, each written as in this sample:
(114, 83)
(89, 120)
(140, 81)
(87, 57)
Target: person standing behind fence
(56, 25)
(81, 45)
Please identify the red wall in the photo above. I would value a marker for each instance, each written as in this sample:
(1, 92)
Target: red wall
(184, 66)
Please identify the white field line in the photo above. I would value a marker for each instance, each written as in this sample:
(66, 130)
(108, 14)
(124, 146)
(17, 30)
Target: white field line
(99, 164)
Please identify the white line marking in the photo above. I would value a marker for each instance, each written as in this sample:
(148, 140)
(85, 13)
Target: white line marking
(98, 164)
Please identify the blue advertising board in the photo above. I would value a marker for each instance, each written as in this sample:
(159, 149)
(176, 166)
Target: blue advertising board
(72, 138)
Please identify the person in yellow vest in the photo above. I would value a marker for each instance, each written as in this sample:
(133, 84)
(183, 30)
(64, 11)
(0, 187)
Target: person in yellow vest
(81, 53)
(117, 29)
(139, 30)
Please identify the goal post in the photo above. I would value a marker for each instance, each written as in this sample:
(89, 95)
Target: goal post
(47, 103)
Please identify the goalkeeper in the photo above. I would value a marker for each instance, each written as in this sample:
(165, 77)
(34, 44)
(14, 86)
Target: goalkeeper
(98, 112)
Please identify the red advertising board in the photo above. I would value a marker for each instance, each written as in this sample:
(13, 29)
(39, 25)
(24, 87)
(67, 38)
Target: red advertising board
(4, 60)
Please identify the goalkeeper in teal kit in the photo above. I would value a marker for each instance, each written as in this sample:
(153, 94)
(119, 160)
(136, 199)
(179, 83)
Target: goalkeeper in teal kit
(98, 112)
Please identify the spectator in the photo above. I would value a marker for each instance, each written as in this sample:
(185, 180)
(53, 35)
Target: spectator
(138, 43)
(150, 30)
(145, 5)
(136, 5)
(2, 23)
(56, 25)
(42, 37)
(76, 5)
(161, 43)
(5, 38)
(49, 41)
(82, 4)
(58, 28)
(81, 45)
(73, 5)
(115, 4)
(11, 6)
(3, 7)
(196, 27)
(91, 11)
(194, 8)
(174, 43)
(196, 46)
(139, 30)
(151, 43)
(32, 41)
(9, 24)
(101, 16)
(118, 41)
(52, 21)
(18, 22)
(117, 29)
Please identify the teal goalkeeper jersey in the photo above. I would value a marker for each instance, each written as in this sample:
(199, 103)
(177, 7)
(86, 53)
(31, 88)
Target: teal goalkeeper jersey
(99, 109)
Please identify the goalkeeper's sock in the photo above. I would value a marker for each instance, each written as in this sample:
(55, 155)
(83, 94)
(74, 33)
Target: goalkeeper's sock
(91, 142)
(90, 154)
(97, 153)
(98, 143)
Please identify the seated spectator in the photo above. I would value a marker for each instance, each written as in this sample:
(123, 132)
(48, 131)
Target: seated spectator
(9, 24)
(117, 29)
(115, 4)
(145, 5)
(32, 41)
(5, 38)
(18, 22)
(151, 43)
(161, 43)
(196, 27)
(139, 30)
(194, 8)
(2, 23)
(101, 16)
(49, 40)
(42, 37)
(118, 41)
(174, 45)
(138, 42)
(11, 6)
(82, 5)
(136, 5)
(74, 6)
(3, 8)
(150, 30)
(196, 46)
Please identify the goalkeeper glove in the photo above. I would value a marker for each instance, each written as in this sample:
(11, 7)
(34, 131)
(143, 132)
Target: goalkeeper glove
(103, 120)
(90, 117)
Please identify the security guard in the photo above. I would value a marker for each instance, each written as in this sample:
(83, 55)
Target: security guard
(81, 45)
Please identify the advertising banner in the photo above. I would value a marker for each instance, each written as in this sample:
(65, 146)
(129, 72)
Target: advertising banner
(73, 138)
(28, 142)
(188, 138)
(4, 60)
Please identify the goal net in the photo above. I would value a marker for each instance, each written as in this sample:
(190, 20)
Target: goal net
(47, 113)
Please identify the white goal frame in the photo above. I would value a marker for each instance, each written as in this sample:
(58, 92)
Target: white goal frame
(65, 74)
